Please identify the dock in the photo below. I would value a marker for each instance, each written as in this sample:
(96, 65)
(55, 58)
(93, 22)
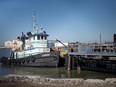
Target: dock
(93, 54)
(101, 61)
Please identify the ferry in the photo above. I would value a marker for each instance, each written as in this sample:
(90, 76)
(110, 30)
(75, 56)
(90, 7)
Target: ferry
(32, 50)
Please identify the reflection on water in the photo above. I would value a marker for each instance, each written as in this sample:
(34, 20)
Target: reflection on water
(54, 72)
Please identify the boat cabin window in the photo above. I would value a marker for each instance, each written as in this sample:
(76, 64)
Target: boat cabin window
(45, 37)
(33, 37)
(42, 37)
(38, 37)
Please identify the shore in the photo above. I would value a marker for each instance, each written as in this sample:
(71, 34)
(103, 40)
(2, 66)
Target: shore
(39, 81)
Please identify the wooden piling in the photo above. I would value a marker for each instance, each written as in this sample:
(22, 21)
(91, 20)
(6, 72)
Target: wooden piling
(69, 62)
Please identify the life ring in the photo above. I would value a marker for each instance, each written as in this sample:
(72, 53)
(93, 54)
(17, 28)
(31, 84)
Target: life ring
(32, 59)
(27, 60)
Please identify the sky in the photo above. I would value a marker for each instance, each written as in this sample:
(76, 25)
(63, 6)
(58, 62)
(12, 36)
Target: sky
(66, 20)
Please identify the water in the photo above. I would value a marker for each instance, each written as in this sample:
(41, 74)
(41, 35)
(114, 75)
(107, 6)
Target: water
(53, 72)
(5, 52)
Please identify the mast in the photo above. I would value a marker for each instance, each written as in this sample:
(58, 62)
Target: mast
(23, 40)
(34, 22)
(100, 43)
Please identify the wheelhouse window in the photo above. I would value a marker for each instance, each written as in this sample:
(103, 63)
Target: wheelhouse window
(38, 37)
(42, 37)
(33, 37)
(45, 37)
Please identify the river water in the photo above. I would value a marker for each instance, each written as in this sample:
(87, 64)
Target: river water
(51, 72)
(54, 72)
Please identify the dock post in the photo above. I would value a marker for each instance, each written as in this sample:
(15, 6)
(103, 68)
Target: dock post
(78, 67)
(69, 60)
(78, 63)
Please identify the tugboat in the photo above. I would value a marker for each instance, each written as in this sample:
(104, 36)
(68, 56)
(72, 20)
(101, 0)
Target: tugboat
(33, 50)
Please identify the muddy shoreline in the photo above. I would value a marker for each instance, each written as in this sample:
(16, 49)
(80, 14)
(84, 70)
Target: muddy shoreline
(39, 81)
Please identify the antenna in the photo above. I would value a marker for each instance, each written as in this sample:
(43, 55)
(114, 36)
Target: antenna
(100, 43)
(34, 22)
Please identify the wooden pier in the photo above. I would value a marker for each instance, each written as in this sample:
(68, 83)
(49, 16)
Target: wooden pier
(92, 61)
(93, 54)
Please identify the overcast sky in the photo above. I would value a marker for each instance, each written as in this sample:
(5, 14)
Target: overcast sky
(66, 20)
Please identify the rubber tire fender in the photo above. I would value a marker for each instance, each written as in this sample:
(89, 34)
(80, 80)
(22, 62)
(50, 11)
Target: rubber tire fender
(19, 61)
(32, 59)
(23, 60)
(27, 60)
